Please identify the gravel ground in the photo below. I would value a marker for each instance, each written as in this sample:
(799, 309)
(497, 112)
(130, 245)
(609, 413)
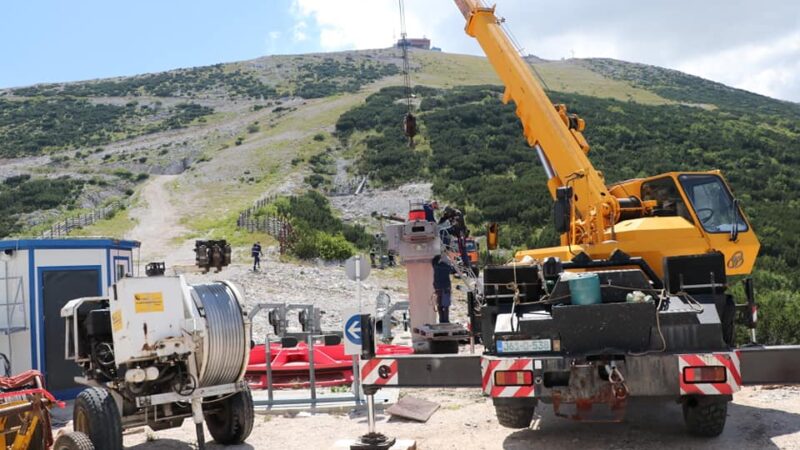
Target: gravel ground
(388, 202)
(323, 285)
(757, 419)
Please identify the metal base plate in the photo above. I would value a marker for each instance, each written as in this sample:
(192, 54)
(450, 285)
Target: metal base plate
(373, 441)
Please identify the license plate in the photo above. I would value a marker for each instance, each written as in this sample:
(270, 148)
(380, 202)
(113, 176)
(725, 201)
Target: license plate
(526, 346)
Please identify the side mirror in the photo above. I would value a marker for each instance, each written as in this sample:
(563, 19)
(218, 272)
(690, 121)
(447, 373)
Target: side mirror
(491, 236)
(735, 224)
(562, 209)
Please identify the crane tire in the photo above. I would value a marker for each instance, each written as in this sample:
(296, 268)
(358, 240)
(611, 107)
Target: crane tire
(514, 413)
(233, 421)
(96, 415)
(73, 441)
(705, 416)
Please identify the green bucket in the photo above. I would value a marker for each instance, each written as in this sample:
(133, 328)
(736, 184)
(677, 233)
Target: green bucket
(585, 289)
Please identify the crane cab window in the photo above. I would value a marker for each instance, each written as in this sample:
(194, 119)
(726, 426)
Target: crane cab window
(669, 200)
(712, 203)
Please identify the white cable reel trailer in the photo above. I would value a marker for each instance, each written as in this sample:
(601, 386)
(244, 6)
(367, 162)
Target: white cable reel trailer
(158, 350)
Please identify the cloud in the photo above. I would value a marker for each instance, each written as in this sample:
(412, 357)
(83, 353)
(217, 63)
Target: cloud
(769, 68)
(358, 24)
(299, 31)
(747, 44)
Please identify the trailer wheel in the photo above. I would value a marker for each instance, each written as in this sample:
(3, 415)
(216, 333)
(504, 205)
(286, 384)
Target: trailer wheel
(514, 412)
(96, 415)
(705, 416)
(233, 421)
(73, 441)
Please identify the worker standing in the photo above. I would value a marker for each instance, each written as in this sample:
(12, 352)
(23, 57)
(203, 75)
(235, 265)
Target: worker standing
(442, 287)
(257, 254)
(429, 208)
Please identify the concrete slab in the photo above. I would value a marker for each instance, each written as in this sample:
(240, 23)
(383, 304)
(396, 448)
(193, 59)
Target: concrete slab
(413, 408)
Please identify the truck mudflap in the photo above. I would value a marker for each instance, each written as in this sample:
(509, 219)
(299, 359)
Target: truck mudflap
(520, 370)
(725, 381)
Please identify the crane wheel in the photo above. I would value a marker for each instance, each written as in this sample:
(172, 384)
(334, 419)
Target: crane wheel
(73, 441)
(232, 422)
(705, 416)
(96, 415)
(514, 412)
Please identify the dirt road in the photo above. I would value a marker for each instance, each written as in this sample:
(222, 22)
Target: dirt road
(158, 222)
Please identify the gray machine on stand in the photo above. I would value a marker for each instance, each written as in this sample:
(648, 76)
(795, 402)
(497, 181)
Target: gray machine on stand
(417, 243)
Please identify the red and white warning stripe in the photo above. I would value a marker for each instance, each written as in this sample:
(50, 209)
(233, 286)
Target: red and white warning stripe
(491, 365)
(379, 371)
(730, 360)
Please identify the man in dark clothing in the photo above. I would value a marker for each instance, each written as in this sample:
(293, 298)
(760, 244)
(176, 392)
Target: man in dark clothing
(257, 254)
(429, 208)
(441, 284)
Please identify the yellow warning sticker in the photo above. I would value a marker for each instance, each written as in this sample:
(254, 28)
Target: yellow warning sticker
(147, 302)
(116, 320)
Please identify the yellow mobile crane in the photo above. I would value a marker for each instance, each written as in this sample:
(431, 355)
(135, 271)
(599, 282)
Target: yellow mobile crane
(672, 214)
(633, 303)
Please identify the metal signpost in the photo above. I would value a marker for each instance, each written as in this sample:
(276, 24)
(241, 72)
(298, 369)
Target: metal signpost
(357, 269)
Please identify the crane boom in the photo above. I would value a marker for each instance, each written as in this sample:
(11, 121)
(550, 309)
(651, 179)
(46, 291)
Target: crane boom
(555, 135)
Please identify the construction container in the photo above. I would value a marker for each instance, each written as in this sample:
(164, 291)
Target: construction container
(37, 278)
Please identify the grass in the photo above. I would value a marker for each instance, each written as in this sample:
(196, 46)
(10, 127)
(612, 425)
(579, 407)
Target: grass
(269, 160)
(225, 228)
(567, 76)
(115, 227)
(447, 70)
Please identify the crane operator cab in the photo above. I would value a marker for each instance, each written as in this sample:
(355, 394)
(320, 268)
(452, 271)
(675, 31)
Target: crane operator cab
(712, 218)
(708, 197)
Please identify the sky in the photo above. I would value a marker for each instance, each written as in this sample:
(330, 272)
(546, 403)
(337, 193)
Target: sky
(749, 44)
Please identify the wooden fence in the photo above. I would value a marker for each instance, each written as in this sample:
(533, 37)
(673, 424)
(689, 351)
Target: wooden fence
(63, 227)
(274, 225)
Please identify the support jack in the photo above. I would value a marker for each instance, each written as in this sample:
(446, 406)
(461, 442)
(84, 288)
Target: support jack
(372, 440)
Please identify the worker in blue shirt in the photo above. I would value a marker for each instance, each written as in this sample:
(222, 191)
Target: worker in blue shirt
(442, 287)
(257, 254)
(429, 208)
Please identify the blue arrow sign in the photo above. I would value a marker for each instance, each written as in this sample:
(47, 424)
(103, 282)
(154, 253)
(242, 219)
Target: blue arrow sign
(352, 329)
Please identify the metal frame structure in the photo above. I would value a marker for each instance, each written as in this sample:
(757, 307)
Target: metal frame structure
(10, 305)
(311, 339)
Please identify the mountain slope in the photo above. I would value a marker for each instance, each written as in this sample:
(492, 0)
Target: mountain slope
(233, 132)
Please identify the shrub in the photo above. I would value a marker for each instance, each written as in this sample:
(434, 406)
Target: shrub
(319, 137)
(16, 180)
(239, 141)
(315, 180)
(333, 248)
(253, 128)
(124, 174)
(306, 245)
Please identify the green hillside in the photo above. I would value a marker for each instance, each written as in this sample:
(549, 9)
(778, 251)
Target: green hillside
(232, 132)
(473, 151)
